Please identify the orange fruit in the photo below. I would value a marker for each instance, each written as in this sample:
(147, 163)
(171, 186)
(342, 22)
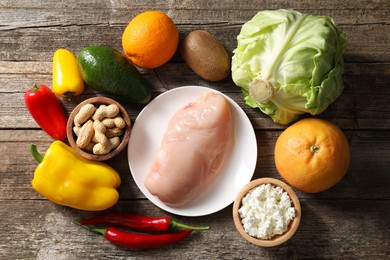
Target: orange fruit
(312, 155)
(150, 39)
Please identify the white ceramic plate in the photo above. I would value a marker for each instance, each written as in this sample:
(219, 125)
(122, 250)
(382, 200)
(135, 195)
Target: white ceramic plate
(146, 137)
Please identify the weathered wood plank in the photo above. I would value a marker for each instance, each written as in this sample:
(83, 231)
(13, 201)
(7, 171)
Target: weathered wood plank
(363, 105)
(36, 13)
(367, 178)
(13, 43)
(372, 113)
(329, 229)
(25, 23)
(359, 78)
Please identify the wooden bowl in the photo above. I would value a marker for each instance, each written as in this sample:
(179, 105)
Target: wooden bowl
(277, 239)
(97, 101)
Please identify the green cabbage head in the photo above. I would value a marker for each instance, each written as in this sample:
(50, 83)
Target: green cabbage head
(288, 63)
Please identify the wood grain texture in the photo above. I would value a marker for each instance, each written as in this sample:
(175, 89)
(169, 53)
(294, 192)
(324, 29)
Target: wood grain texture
(329, 229)
(349, 221)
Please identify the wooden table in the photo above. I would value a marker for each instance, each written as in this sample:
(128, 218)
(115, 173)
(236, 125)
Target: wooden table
(351, 220)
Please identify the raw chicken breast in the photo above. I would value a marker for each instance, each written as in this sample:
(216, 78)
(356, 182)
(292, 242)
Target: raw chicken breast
(195, 147)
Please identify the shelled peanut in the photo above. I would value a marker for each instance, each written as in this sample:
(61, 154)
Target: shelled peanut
(98, 129)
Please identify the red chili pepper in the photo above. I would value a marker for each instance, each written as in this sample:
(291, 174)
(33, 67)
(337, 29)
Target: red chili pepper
(139, 241)
(47, 111)
(136, 222)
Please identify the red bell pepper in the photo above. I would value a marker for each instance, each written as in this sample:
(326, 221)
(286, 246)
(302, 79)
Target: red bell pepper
(47, 111)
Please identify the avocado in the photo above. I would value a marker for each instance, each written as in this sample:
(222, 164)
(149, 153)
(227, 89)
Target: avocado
(108, 71)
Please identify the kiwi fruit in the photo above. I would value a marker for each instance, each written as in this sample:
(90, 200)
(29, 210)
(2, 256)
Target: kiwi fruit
(205, 55)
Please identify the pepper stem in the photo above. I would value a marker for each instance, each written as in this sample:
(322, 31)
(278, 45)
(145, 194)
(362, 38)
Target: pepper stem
(69, 95)
(101, 231)
(261, 90)
(175, 224)
(34, 152)
(35, 88)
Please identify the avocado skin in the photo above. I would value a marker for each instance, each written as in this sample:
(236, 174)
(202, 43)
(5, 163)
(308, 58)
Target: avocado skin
(108, 71)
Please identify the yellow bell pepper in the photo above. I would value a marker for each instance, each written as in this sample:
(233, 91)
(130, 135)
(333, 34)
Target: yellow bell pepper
(67, 80)
(66, 178)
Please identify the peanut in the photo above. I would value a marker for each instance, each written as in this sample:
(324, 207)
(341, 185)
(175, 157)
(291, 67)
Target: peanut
(118, 122)
(108, 122)
(113, 132)
(103, 111)
(76, 130)
(84, 114)
(85, 134)
(90, 146)
(100, 130)
(101, 150)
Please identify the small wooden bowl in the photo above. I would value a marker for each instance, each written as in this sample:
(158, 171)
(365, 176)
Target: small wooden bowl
(277, 239)
(124, 138)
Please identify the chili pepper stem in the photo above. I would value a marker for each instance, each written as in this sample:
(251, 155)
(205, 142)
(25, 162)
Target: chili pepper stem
(175, 224)
(101, 231)
(34, 152)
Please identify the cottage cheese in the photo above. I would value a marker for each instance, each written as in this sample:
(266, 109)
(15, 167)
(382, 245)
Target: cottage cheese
(266, 211)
